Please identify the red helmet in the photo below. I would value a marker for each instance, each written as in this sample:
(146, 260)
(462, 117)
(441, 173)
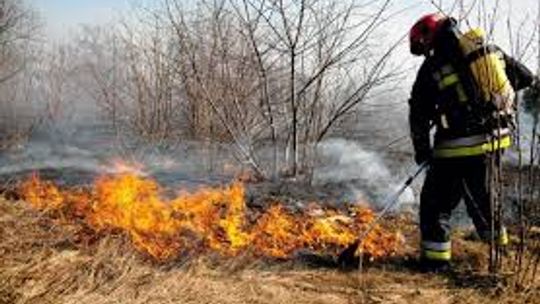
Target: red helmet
(423, 32)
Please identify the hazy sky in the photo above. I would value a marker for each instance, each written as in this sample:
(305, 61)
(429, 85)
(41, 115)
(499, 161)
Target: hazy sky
(62, 15)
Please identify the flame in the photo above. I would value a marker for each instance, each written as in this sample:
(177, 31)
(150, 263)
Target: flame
(120, 166)
(210, 219)
(42, 195)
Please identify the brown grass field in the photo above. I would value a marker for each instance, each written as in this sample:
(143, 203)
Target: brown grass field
(43, 262)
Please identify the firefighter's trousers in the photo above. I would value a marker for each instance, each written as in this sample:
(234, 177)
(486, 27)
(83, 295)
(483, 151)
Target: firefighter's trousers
(447, 182)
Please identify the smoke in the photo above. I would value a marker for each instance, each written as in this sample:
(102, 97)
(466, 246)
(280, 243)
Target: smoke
(74, 154)
(363, 174)
(77, 154)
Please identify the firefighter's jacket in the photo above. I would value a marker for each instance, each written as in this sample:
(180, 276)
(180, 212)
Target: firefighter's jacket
(444, 95)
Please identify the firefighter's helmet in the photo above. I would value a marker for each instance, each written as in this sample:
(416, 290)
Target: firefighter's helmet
(423, 32)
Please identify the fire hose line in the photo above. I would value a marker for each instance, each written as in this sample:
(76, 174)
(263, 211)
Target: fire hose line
(347, 256)
(391, 200)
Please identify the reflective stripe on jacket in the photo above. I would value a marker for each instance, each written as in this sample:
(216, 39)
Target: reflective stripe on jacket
(467, 147)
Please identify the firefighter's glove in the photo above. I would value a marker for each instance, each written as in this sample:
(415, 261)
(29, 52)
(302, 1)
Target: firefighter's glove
(423, 156)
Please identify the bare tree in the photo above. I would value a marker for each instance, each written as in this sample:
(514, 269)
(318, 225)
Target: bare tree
(278, 70)
(262, 75)
(130, 77)
(18, 26)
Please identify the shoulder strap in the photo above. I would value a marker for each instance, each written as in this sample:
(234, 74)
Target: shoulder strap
(481, 51)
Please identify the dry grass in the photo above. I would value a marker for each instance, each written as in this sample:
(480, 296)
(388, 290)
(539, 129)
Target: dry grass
(43, 261)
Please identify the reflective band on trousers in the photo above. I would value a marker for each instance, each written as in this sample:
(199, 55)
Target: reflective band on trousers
(439, 251)
(501, 237)
(439, 246)
(437, 255)
(483, 148)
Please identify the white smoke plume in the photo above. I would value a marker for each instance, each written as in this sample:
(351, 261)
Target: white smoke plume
(363, 173)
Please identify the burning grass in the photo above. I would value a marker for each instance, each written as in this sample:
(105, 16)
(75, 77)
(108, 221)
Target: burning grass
(44, 262)
(64, 246)
(208, 220)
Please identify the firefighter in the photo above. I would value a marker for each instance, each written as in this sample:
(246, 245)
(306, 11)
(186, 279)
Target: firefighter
(472, 124)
